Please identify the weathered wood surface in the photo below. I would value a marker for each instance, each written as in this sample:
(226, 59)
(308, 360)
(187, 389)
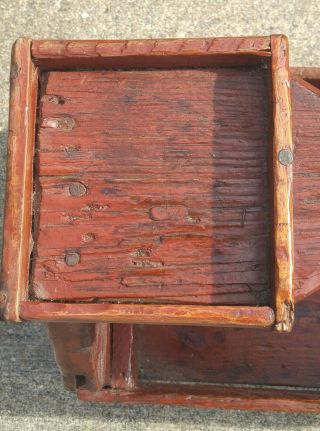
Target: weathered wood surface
(308, 74)
(95, 54)
(282, 184)
(188, 360)
(141, 256)
(124, 367)
(148, 313)
(239, 356)
(158, 181)
(17, 238)
(83, 353)
(306, 186)
(212, 397)
(232, 355)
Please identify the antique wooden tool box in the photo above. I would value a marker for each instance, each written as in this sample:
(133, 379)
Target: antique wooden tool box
(163, 215)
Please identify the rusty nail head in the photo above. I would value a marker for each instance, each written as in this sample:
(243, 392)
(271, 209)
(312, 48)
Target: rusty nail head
(77, 189)
(285, 157)
(72, 258)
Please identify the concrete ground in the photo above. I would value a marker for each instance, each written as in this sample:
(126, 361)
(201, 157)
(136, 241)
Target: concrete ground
(31, 394)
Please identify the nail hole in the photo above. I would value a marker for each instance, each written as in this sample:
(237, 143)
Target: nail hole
(53, 98)
(87, 237)
(65, 124)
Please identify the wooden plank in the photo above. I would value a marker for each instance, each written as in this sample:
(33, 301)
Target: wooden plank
(310, 84)
(148, 314)
(175, 203)
(282, 184)
(262, 357)
(83, 353)
(212, 397)
(231, 355)
(124, 371)
(309, 74)
(93, 54)
(306, 185)
(17, 238)
(100, 356)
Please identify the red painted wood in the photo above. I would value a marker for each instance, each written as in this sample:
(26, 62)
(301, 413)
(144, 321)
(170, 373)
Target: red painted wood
(282, 185)
(306, 185)
(17, 236)
(83, 353)
(95, 54)
(260, 357)
(124, 367)
(212, 397)
(186, 359)
(170, 314)
(233, 356)
(104, 227)
(86, 140)
(310, 75)
(173, 203)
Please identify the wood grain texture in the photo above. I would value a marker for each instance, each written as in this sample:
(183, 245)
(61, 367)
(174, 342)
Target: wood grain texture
(172, 205)
(95, 54)
(308, 74)
(195, 366)
(212, 397)
(124, 367)
(202, 355)
(306, 203)
(148, 313)
(17, 239)
(185, 359)
(233, 355)
(282, 182)
(192, 362)
(82, 352)
(306, 282)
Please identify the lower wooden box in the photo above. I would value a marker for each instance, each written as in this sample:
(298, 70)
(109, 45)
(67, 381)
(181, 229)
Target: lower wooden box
(194, 366)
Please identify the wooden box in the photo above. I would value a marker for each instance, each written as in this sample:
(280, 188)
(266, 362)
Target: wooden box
(150, 183)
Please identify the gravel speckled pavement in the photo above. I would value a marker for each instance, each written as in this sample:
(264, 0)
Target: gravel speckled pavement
(31, 394)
